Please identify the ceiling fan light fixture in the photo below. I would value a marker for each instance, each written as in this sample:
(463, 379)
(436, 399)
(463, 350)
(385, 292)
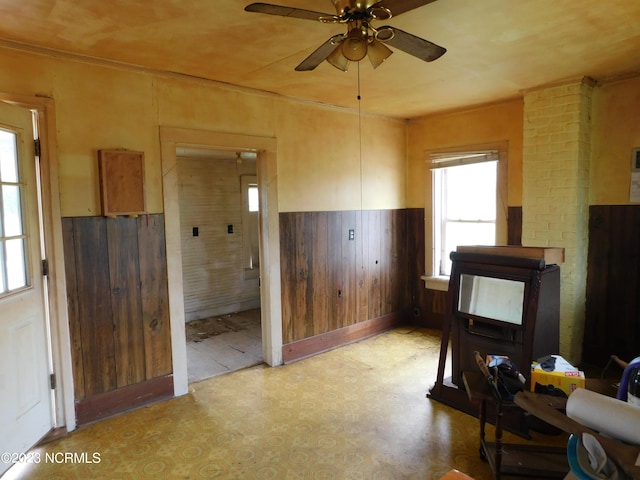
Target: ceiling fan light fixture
(338, 60)
(354, 47)
(378, 53)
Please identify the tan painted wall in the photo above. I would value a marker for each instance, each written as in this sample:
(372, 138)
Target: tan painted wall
(98, 106)
(320, 167)
(493, 123)
(616, 132)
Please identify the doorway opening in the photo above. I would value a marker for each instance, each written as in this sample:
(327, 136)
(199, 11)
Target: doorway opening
(171, 139)
(219, 234)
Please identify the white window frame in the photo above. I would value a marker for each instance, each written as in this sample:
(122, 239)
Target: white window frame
(451, 157)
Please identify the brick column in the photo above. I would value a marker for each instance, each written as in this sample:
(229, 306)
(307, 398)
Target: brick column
(557, 130)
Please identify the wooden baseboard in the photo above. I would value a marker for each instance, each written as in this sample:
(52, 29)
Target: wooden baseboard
(336, 338)
(123, 399)
(54, 434)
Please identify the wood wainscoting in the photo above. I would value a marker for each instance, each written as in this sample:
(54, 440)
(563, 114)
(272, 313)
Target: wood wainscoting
(117, 293)
(612, 324)
(330, 282)
(428, 307)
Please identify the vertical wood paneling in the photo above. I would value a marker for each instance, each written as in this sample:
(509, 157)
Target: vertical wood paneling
(75, 330)
(595, 344)
(374, 239)
(386, 261)
(337, 272)
(319, 315)
(288, 275)
(348, 314)
(624, 273)
(117, 296)
(514, 226)
(362, 265)
(94, 305)
(304, 264)
(416, 266)
(330, 282)
(398, 299)
(124, 272)
(612, 325)
(155, 296)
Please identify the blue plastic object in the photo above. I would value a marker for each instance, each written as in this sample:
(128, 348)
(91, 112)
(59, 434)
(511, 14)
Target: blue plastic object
(577, 458)
(626, 375)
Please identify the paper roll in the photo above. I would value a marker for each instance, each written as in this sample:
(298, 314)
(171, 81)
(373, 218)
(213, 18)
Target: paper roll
(607, 415)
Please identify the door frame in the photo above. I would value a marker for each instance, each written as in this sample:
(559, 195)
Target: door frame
(52, 231)
(271, 304)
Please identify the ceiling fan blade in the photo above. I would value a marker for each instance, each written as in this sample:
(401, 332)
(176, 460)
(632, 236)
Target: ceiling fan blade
(320, 54)
(416, 46)
(400, 6)
(286, 11)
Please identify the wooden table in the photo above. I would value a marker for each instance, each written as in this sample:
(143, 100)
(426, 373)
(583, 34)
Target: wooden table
(537, 461)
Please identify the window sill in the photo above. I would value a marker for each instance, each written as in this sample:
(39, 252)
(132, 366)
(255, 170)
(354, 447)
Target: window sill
(436, 282)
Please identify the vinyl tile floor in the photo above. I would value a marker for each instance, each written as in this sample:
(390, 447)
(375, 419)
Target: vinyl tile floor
(359, 412)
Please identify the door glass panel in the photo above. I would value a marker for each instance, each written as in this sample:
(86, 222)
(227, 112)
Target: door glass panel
(12, 210)
(16, 265)
(3, 284)
(8, 157)
(13, 263)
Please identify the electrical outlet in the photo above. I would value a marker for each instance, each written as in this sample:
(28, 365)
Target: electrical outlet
(195, 231)
(352, 234)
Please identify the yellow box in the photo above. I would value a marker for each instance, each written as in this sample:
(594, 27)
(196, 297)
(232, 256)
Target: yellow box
(548, 381)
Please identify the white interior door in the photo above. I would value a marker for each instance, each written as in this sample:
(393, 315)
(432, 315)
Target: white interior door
(25, 396)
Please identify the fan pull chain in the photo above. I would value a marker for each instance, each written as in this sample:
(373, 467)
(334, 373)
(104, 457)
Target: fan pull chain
(361, 188)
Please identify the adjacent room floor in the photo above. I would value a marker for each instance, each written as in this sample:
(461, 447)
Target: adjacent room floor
(223, 344)
(358, 412)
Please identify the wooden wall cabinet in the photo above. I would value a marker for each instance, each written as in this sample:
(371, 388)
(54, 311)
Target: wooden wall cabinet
(122, 184)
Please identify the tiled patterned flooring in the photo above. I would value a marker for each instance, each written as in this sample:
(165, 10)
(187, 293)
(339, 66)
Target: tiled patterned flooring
(240, 346)
(358, 412)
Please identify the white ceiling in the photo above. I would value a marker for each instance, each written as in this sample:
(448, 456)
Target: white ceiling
(496, 48)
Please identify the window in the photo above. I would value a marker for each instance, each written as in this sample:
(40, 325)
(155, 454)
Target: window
(252, 197)
(250, 226)
(464, 203)
(13, 265)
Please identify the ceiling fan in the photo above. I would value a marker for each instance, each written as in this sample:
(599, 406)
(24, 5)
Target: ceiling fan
(362, 38)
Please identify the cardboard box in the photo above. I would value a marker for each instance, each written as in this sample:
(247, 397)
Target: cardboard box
(565, 377)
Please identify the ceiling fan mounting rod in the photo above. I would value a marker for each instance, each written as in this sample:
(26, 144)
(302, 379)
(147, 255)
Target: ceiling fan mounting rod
(348, 15)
